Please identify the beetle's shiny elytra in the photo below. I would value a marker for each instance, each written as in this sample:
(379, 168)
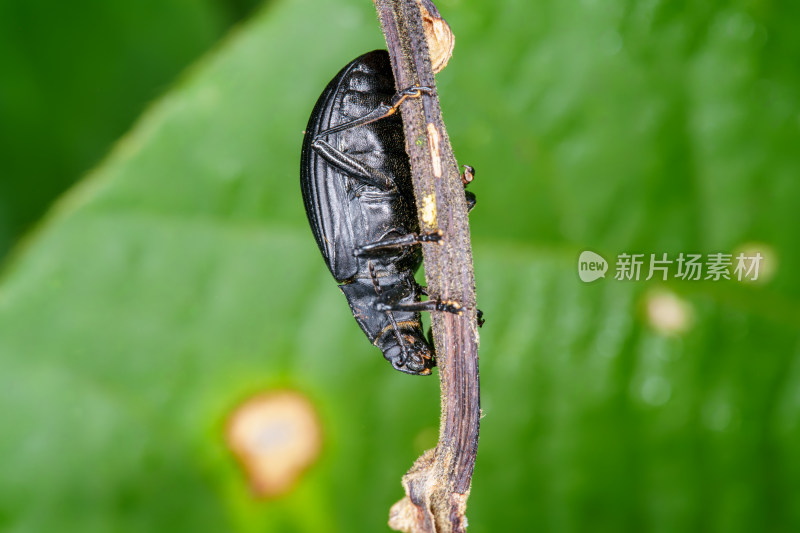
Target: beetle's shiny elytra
(356, 183)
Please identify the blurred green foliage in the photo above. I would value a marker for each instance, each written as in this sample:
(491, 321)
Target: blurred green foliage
(75, 76)
(180, 277)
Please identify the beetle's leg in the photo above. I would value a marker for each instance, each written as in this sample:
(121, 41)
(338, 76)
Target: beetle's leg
(376, 248)
(352, 166)
(415, 91)
(466, 178)
(382, 111)
(468, 175)
(471, 200)
(435, 304)
(481, 321)
(391, 301)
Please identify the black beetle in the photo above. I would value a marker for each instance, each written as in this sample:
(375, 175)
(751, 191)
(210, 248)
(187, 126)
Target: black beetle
(356, 182)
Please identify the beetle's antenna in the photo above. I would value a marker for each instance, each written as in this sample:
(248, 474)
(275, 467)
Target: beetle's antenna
(400, 340)
(374, 278)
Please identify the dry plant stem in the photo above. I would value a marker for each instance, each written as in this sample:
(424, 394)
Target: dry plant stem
(438, 484)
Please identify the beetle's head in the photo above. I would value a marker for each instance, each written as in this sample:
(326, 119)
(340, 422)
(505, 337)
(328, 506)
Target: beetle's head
(410, 353)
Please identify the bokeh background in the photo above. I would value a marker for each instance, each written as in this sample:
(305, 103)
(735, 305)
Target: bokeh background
(157, 267)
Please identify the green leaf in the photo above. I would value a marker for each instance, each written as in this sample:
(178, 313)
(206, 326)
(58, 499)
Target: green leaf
(181, 277)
